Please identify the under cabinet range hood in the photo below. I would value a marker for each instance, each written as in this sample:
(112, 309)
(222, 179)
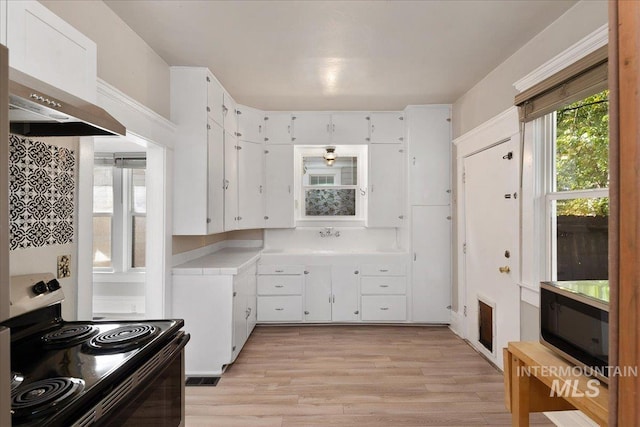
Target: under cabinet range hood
(39, 109)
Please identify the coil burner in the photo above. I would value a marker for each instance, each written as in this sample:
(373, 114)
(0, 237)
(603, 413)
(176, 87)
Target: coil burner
(68, 336)
(42, 397)
(121, 339)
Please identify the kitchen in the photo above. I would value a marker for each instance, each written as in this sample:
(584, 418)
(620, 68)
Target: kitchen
(150, 121)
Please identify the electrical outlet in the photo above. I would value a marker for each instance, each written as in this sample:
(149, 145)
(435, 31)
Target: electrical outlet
(64, 266)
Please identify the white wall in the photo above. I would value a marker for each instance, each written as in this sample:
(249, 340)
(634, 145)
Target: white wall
(124, 60)
(495, 92)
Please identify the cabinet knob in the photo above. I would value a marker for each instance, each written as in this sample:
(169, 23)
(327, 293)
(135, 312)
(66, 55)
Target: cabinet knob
(279, 309)
(266, 217)
(306, 272)
(448, 191)
(235, 293)
(384, 308)
(356, 272)
(356, 312)
(208, 109)
(306, 312)
(266, 139)
(239, 218)
(208, 220)
(401, 216)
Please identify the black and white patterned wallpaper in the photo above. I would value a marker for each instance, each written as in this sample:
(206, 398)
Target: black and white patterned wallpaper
(41, 193)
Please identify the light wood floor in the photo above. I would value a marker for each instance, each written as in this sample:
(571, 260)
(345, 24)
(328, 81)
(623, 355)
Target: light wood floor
(353, 376)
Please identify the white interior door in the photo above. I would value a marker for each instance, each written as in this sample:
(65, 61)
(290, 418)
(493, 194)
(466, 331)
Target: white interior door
(491, 260)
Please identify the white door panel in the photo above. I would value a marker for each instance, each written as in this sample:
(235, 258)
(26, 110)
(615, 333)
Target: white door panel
(312, 128)
(279, 186)
(491, 222)
(349, 128)
(317, 293)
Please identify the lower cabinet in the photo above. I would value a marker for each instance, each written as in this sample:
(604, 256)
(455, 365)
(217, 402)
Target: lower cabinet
(219, 311)
(332, 293)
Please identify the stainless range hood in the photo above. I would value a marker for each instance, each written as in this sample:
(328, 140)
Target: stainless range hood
(39, 109)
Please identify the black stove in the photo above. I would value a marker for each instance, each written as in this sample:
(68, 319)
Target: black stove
(80, 373)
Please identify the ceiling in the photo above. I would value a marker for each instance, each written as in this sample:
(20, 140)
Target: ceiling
(340, 55)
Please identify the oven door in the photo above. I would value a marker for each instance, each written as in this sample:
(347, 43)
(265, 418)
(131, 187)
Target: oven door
(159, 399)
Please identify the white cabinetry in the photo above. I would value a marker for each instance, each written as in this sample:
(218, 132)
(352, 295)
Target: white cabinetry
(383, 288)
(387, 128)
(318, 128)
(46, 47)
(278, 128)
(386, 201)
(349, 128)
(312, 128)
(230, 114)
(331, 293)
(345, 281)
(317, 293)
(278, 186)
(218, 311)
(250, 124)
(431, 235)
(250, 185)
(429, 133)
(230, 182)
(280, 293)
(198, 206)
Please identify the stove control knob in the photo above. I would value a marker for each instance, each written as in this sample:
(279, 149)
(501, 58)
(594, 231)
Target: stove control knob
(53, 285)
(39, 288)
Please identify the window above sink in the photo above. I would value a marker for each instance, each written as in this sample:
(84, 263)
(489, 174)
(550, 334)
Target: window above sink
(330, 185)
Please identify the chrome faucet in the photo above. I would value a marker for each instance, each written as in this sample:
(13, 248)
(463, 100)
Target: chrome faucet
(328, 232)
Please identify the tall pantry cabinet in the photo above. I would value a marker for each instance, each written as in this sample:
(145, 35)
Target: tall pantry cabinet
(429, 159)
(197, 110)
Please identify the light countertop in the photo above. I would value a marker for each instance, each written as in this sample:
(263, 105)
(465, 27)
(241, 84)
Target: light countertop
(227, 261)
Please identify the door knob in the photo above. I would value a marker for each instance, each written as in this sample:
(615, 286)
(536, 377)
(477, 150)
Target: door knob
(504, 269)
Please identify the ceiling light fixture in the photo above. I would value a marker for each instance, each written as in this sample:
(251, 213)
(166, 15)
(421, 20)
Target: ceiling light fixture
(330, 156)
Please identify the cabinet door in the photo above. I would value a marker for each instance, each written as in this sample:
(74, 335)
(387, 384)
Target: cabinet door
(386, 163)
(230, 182)
(317, 293)
(431, 240)
(230, 110)
(312, 128)
(239, 313)
(429, 134)
(252, 292)
(345, 284)
(47, 48)
(250, 124)
(250, 204)
(215, 178)
(278, 128)
(279, 186)
(349, 128)
(215, 100)
(387, 128)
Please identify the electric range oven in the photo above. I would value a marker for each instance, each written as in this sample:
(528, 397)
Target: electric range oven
(125, 373)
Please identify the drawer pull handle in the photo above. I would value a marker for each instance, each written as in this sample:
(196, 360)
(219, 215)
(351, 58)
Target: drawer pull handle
(383, 271)
(279, 309)
(279, 286)
(384, 286)
(279, 271)
(384, 308)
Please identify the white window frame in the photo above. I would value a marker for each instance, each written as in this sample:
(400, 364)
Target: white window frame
(358, 151)
(546, 129)
(121, 225)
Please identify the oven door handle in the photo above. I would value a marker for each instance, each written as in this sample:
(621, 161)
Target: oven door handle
(181, 341)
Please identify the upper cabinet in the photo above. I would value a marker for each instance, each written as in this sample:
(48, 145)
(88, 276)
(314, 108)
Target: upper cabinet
(429, 134)
(215, 100)
(349, 128)
(321, 128)
(279, 199)
(47, 48)
(251, 124)
(386, 166)
(312, 128)
(278, 128)
(387, 128)
(198, 201)
(230, 114)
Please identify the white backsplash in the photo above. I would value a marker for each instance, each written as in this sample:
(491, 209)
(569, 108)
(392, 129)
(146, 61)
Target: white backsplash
(350, 239)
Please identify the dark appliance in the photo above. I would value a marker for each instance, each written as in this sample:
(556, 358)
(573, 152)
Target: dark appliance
(125, 373)
(574, 322)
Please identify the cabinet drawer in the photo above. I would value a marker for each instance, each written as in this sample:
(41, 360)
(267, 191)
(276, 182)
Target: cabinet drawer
(384, 308)
(280, 308)
(383, 270)
(383, 285)
(279, 284)
(280, 269)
